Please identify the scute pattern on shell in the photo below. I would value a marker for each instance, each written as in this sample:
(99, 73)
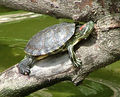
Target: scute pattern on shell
(50, 39)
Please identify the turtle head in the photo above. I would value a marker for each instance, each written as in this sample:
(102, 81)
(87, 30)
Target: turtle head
(85, 30)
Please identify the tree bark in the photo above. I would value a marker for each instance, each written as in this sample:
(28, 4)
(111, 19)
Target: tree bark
(100, 49)
(73, 9)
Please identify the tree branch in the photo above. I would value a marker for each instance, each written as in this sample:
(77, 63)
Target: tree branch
(100, 49)
(72, 9)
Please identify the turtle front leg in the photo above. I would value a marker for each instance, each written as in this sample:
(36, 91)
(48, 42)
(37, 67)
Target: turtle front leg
(24, 65)
(76, 62)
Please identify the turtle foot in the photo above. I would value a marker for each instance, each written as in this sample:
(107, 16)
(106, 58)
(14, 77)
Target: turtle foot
(77, 63)
(25, 70)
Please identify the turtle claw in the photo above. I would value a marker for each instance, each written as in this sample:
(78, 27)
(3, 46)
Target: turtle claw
(77, 63)
(24, 70)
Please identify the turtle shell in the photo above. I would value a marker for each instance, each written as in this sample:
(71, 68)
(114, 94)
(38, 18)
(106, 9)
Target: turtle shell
(50, 39)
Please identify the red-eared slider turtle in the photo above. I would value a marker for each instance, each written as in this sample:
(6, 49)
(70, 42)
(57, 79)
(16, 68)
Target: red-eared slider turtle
(52, 40)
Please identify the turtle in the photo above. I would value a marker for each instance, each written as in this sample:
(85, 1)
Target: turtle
(52, 40)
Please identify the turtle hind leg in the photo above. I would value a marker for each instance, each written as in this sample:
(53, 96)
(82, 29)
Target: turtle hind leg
(24, 65)
(76, 61)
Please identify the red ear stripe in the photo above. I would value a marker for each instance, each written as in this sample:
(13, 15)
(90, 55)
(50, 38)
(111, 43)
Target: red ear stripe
(82, 27)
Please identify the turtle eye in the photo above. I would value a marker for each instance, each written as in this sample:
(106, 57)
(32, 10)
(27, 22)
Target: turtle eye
(82, 27)
(82, 30)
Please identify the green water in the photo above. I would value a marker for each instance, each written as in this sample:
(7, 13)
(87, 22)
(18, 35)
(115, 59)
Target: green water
(13, 38)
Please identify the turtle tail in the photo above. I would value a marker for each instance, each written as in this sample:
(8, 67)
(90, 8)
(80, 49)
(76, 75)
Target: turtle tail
(25, 65)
